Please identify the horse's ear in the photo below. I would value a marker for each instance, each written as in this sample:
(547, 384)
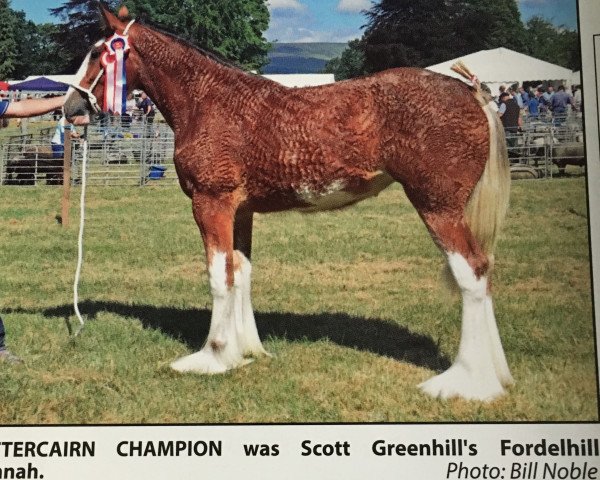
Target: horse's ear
(111, 22)
(123, 13)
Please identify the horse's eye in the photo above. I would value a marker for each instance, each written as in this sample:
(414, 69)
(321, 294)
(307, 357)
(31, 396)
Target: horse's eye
(95, 54)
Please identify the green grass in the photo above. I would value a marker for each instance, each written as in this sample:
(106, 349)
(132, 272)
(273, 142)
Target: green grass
(351, 304)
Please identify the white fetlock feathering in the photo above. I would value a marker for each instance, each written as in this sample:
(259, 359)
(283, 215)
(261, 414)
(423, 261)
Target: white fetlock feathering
(479, 367)
(233, 335)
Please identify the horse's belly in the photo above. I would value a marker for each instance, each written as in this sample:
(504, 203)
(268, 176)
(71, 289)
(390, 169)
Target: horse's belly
(341, 193)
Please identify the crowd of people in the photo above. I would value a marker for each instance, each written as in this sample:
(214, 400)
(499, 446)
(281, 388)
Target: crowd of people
(518, 103)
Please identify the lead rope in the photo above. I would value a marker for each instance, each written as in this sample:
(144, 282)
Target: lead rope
(95, 106)
(80, 240)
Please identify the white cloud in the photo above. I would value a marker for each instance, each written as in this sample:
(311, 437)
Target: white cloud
(285, 5)
(353, 6)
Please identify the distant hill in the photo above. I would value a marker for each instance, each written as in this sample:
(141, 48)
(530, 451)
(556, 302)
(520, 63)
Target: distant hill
(302, 57)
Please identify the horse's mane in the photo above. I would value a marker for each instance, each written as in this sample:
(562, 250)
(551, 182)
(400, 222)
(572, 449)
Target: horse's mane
(217, 57)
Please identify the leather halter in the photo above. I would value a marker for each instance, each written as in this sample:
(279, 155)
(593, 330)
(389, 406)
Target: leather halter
(93, 101)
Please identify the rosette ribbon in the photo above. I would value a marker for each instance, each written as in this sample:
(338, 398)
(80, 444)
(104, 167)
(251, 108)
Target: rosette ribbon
(113, 61)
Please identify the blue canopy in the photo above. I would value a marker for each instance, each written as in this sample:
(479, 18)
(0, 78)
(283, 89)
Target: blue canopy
(40, 84)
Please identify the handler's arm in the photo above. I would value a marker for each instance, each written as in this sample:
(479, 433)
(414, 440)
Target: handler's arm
(33, 107)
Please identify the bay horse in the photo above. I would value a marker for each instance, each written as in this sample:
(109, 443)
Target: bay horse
(245, 144)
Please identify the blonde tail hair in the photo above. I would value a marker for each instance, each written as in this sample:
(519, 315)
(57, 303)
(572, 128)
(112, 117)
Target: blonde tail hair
(488, 204)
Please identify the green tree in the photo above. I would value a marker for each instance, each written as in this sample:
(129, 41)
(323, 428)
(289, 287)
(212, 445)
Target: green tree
(350, 64)
(408, 33)
(499, 21)
(233, 28)
(8, 41)
(79, 29)
(403, 33)
(557, 45)
(37, 53)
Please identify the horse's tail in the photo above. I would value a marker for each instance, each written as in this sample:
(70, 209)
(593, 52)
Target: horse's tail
(488, 204)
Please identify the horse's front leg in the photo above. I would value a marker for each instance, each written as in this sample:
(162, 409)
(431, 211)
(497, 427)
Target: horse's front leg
(242, 243)
(223, 349)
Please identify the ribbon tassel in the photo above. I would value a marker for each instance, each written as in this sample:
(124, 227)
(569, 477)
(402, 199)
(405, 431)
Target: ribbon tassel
(115, 89)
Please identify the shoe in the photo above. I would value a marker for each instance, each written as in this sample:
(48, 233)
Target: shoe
(6, 356)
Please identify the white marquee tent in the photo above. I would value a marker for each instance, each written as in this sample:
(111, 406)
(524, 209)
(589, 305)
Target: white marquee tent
(502, 66)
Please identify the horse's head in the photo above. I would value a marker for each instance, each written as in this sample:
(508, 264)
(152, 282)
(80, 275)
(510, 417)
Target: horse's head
(88, 94)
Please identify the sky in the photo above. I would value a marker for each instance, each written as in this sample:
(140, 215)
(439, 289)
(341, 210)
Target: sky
(328, 20)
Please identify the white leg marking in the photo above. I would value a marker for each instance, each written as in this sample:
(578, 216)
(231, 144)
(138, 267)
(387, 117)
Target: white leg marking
(473, 375)
(221, 351)
(248, 334)
(498, 356)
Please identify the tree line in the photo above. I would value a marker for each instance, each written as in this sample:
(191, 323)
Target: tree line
(233, 28)
(401, 33)
(397, 33)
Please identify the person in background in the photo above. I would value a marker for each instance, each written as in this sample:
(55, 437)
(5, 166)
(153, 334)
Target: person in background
(58, 139)
(510, 115)
(548, 94)
(25, 108)
(533, 105)
(525, 97)
(559, 103)
(147, 108)
(515, 96)
(543, 105)
(130, 108)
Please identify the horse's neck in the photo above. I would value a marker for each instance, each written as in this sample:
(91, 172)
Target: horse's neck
(175, 75)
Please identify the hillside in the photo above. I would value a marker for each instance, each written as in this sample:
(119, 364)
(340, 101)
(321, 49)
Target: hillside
(302, 57)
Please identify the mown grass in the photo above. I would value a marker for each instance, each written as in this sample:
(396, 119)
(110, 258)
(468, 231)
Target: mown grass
(350, 302)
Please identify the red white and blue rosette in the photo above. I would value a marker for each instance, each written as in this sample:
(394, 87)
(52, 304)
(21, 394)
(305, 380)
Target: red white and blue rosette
(113, 61)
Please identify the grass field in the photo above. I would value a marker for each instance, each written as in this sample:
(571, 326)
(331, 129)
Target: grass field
(351, 304)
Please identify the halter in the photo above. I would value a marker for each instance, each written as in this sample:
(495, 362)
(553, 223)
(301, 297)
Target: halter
(93, 101)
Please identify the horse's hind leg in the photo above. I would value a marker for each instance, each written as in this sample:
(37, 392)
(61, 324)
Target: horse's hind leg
(479, 369)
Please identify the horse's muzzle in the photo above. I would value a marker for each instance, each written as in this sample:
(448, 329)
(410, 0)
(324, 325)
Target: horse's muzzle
(77, 109)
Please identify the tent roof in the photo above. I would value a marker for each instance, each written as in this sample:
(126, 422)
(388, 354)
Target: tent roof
(40, 84)
(502, 65)
(68, 79)
(302, 79)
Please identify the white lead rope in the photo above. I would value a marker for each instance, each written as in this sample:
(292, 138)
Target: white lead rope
(96, 107)
(80, 239)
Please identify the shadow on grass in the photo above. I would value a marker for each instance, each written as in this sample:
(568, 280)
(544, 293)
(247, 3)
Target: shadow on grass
(372, 335)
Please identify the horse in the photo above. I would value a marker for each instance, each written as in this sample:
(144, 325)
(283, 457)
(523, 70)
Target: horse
(245, 144)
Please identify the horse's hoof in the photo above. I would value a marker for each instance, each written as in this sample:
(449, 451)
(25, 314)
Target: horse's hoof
(206, 362)
(457, 381)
